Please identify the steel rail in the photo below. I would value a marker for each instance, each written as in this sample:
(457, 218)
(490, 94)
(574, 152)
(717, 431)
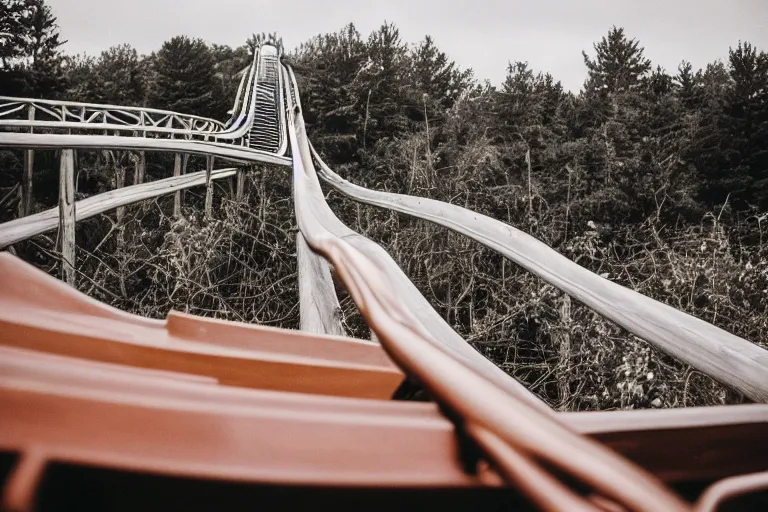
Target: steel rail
(429, 319)
(468, 395)
(730, 488)
(729, 359)
(22, 228)
(227, 152)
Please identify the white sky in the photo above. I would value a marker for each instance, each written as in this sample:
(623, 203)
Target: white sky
(481, 34)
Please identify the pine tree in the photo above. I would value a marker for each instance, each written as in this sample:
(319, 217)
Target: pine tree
(381, 86)
(13, 28)
(45, 71)
(619, 63)
(229, 65)
(687, 84)
(83, 82)
(184, 77)
(29, 49)
(747, 109)
(120, 75)
(327, 67)
(436, 76)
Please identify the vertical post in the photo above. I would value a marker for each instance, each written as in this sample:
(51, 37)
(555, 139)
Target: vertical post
(240, 194)
(184, 164)
(208, 186)
(25, 204)
(119, 171)
(319, 310)
(177, 195)
(67, 215)
(530, 189)
(139, 168)
(120, 214)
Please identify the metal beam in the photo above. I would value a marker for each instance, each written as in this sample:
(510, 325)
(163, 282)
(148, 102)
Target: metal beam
(17, 230)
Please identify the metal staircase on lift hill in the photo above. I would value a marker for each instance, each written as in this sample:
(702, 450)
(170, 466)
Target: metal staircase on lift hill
(265, 132)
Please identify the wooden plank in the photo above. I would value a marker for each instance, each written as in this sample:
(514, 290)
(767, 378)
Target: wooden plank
(208, 186)
(21, 229)
(240, 190)
(119, 171)
(177, 195)
(141, 168)
(67, 215)
(727, 358)
(319, 310)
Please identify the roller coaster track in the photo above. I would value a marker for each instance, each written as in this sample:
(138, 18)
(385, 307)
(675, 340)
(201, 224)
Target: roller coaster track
(529, 445)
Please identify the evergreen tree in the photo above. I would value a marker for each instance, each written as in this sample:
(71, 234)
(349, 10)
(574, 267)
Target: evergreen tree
(30, 49)
(229, 65)
(184, 77)
(14, 16)
(382, 86)
(687, 84)
(119, 70)
(436, 76)
(747, 110)
(327, 67)
(14, 24)
(619, 63)
(83, 82)
(45, 73)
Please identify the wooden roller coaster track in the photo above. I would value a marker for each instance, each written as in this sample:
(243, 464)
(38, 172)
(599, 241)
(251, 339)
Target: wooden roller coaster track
(187, 402)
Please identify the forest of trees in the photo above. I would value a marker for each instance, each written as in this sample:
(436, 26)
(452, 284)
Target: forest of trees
(656, 179)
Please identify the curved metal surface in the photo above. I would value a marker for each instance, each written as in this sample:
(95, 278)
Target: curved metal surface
(227, 152)
(23, 228)
(469, 396)
(41, 313)
(725, 357)
(428, 318)
(81, 415)
(730, 488)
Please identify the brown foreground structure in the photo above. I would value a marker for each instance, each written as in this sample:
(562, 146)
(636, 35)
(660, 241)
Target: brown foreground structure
(103, 410)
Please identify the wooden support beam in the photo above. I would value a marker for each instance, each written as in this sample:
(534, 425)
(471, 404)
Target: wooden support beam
(140, 168)
(119, 183)
(26, 202)
(67, 215)
(177, 195)
(240, 193)
(208, 186)
(23, 228)
(319, 310)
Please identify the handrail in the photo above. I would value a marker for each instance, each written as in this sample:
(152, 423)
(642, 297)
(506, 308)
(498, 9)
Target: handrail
(16, 230)
(727, 358)
(102, 106)
(226, 151)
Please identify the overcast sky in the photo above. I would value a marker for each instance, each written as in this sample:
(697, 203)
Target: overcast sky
(481, 34)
